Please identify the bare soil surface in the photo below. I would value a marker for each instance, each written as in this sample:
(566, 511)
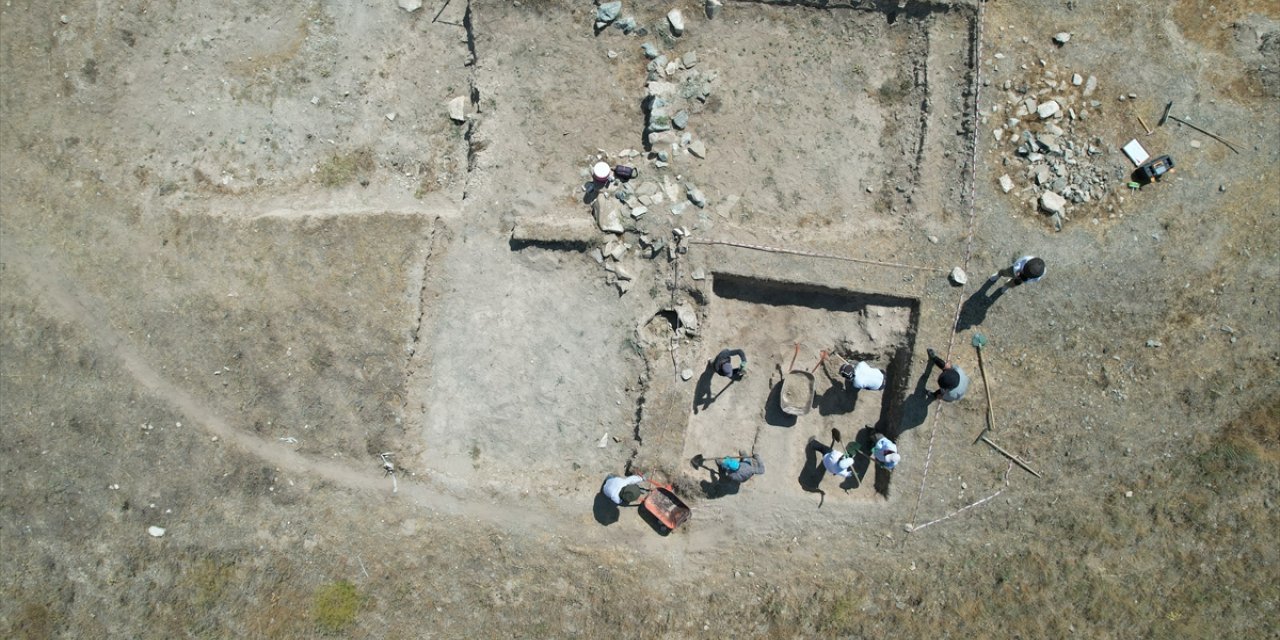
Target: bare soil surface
(245, 251)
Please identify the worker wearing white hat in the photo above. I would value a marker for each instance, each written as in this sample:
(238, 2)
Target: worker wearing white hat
(885, 452)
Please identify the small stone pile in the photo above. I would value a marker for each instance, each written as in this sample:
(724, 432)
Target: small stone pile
(1044, 139)
(674, 90)
(610, 13)
(618, 208)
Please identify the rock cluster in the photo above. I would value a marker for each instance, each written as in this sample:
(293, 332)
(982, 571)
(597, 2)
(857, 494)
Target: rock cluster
(610, 13)
(675, 90)
(1045, 145)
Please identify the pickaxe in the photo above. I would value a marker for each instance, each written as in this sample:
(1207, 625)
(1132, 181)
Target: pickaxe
(1166, 116)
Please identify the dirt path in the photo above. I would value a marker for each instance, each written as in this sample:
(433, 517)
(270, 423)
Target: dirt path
(532, 515)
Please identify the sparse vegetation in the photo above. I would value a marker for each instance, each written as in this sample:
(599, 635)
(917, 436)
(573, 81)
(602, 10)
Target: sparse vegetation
(336, 606)
(342, 169)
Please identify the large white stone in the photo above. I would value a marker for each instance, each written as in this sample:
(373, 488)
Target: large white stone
(1048, 109)
(458, 109)
(1053, 203)
(677, 21)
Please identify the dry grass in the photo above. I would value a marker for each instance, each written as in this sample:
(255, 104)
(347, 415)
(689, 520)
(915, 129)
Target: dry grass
(342, 169)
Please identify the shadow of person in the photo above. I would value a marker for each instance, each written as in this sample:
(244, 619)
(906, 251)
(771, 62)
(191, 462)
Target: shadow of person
(837, 400)
(974, 310)
(702, 397)
(812, 472)
(773, 413)
(718, 487)
(883, 476)
(915, 407)
(605, 511)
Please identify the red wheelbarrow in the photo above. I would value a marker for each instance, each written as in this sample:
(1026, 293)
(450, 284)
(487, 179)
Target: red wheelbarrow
(663, 504)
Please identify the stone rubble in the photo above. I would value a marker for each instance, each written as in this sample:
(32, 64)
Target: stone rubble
(650, 215)
(676, 20)
(1042, 140)
(458, 109)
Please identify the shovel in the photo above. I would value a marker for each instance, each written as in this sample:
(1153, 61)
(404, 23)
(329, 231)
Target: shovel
(980, 341)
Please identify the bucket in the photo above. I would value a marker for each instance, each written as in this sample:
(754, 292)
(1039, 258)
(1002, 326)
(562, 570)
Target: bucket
(600, 173)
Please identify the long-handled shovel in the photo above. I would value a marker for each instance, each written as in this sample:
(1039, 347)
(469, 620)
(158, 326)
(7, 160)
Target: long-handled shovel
(980, 341)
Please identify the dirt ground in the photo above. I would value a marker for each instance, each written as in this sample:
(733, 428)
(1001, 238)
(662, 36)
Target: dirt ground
(245, 250)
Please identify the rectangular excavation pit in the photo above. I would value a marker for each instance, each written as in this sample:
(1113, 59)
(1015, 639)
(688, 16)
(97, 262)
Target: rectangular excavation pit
(826, 113)
(767, 318)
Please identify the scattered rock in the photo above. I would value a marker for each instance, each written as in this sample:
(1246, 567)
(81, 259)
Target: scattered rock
(158, 532)
(604, 440)
(696, 196)
(713, 8)
(1061, 38)
(1006, 183)
(650, 51)
(1053, 202)
(1048, 109)
(698, 149)
(391, 116)
(699, 274)
(676, 20)
(607, 12)
(958, 277)
(622, 274)
(626, 24)
(1076, 79)
(686, 374)
(689, 60)
(932, 239)
(1195, 144)
(458, 109)
(686, 316)
(1090, 86)
(410, 5)
(681, 119)
(1154, 344)
(607, 216)
(639, 211)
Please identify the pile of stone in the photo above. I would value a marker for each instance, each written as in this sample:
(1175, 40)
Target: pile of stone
(1044, 139)
(674, 90)
(617, 210)
(610, 13)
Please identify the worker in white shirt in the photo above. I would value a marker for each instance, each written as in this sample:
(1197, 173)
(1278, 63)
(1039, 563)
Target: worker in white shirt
(1024, 269)
(621, 490)
(863, 376)
(885, 452)
(836, 462)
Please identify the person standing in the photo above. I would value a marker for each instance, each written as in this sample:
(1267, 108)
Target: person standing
(621, 490)
(836, 462)
(723, 364)
(863, 376)
(952, 383)
(1024, 269)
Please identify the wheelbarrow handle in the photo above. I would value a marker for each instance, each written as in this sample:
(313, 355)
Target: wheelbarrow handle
(822, 358)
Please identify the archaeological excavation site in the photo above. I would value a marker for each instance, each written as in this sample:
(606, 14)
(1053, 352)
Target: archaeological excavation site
(698, 318)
